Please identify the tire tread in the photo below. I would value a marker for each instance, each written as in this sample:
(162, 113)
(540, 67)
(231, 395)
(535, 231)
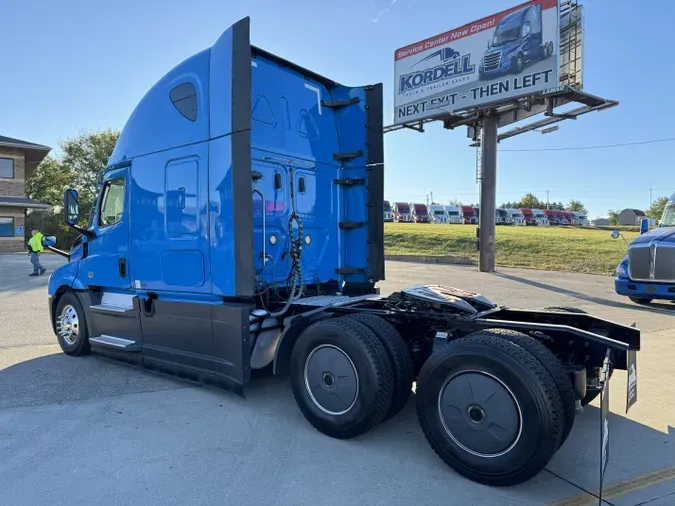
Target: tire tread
(551, 395)
(554, 368)
(377, 355)
(399, 356)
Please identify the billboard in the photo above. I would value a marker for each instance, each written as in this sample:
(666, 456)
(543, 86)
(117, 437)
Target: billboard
(504, 56)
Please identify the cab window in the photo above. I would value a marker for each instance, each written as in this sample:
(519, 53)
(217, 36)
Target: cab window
(112, 202)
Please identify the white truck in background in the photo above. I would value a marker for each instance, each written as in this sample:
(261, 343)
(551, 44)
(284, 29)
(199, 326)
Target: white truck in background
(454, 215)
(581, 218)
(503, 217)
(542, 220)
(516, 216)
(438, 214)
(388, 214)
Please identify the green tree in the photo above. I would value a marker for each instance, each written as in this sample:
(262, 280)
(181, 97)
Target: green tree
(613, 217)
(530, 201)
(83, 157)
(48, 182)
(575, 205)
(656, 210)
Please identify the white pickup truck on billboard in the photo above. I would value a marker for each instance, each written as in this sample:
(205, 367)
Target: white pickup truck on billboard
(507, 55)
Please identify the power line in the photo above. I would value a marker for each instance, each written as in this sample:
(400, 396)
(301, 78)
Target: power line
(599, 146)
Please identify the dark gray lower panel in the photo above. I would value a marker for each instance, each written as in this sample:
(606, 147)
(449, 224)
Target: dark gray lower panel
(198, 339)
(232, 339)
(125, 325)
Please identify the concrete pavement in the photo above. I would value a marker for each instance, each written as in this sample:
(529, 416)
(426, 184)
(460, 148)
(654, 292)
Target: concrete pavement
(84, 430)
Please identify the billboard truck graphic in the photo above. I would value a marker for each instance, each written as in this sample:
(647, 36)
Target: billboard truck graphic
(508, 55)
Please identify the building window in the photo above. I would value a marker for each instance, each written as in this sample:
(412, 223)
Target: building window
(6, 226)
(7, 168)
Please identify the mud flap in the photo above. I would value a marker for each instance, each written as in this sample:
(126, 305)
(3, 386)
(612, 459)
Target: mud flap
(631, 386)
(631, 398)
(604, 421)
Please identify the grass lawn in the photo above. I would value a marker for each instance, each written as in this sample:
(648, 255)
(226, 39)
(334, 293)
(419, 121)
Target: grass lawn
(548, 248)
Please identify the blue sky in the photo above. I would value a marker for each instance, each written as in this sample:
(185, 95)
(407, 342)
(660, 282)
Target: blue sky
(74, 65)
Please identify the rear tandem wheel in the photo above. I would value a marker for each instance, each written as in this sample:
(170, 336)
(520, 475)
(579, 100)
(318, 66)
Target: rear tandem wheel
(489, 409)
(401, 361)
(552, 365)
(341, 377)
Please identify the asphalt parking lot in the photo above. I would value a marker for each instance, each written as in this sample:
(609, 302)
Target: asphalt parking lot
(87, 430)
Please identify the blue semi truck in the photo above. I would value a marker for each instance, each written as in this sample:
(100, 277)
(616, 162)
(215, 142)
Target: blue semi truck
(516, 43)
(239, 227)
(647, 272)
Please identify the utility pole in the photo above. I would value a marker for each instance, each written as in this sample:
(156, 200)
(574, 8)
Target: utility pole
(547, 200)
(488, 193)
(432, 197)
(650, 198)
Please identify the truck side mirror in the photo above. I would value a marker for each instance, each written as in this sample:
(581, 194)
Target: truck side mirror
(527, 29)
(48, 241)
(71, 207)
(615, 234)
(488, 44)
(644, 225)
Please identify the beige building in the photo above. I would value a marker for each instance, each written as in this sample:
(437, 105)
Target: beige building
(18, 160)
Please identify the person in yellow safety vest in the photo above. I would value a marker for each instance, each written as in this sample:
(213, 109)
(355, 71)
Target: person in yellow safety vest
(34, 249)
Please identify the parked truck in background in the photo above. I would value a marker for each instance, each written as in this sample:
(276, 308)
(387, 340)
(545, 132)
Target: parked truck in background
(420, 213)
(503, 217)
(220, 243)
(529, 217)
(647, 272)
(562, 218)
(454, 215)
(468, 214)
(581, 218)
(542, 219)
(388, 214)
(438, 214)
(517, 217)
(516, 43)
(552, 216)
(402, 213)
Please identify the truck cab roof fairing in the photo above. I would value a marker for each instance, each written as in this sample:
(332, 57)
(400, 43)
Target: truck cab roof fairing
(157, 124)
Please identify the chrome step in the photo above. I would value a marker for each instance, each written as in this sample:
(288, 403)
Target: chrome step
(115, 303)
(116, 342)
(111, 309)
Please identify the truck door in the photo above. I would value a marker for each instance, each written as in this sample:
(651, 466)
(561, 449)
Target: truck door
(106, 264)
(109, 303)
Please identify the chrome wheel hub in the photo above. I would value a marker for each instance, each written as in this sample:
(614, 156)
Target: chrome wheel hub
(68, 325)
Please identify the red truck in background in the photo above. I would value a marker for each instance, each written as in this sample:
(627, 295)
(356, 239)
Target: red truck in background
(469, 215)
(420, 213)
(528, 216)
(552, 216)
(402, 212)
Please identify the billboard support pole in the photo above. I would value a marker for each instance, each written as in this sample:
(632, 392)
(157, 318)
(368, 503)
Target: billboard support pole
(488, 193)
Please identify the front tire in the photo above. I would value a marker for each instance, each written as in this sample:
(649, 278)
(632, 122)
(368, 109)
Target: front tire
(341, 377)
(520, 64)
(70, 326)
(490, 410)
(640, 300)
